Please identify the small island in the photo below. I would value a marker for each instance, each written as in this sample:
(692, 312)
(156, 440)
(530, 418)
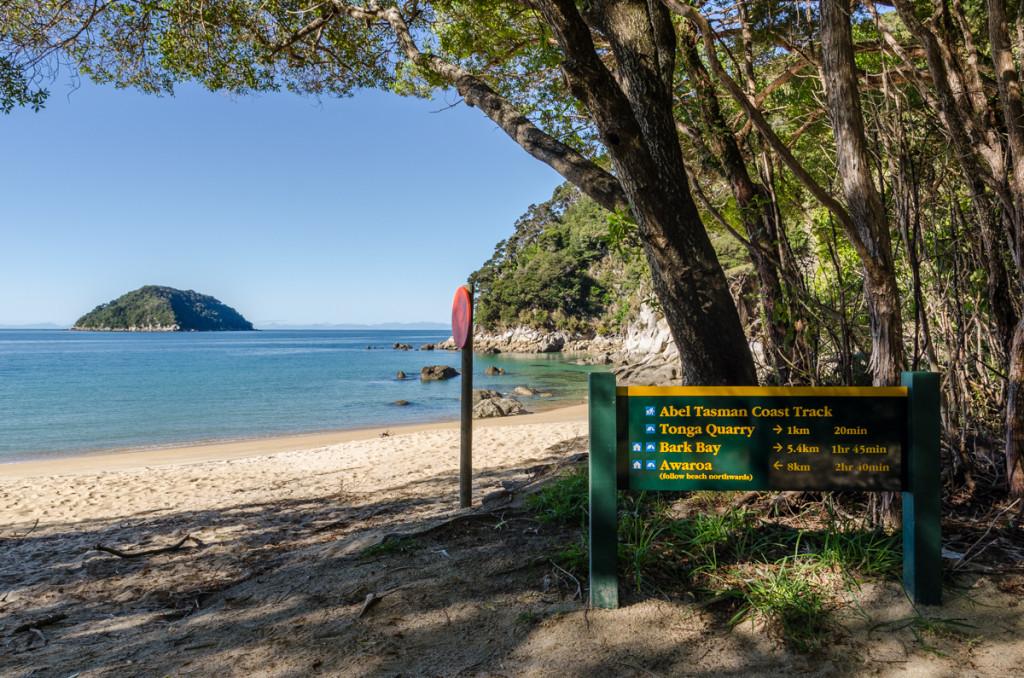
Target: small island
(163, 309)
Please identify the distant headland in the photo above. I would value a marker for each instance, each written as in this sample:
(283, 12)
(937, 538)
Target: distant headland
(163, 309)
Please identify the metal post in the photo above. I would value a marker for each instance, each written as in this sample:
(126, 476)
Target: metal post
(604, 583)
(466, 447)
(922, 502)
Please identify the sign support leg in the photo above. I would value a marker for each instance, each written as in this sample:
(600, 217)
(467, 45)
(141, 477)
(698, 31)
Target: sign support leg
(466, 433)
(604, 583)
(922, 503)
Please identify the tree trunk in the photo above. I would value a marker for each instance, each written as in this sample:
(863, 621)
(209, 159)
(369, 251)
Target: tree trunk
(633, 114)
(863, 200)
(632, 110)
(967, 143)
(755, 207)
(1013, 116)
(1015, 417)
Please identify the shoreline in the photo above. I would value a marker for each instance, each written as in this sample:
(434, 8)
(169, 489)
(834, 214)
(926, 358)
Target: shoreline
(201, 452)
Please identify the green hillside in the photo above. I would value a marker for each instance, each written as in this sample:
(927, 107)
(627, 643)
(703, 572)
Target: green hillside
(163, 309)
(558, 271)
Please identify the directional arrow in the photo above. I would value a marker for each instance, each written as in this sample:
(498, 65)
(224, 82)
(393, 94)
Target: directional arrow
(777, 465)
(777, 429)
(778, 447)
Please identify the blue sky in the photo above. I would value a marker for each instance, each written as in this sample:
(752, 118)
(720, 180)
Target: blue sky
(369, 209)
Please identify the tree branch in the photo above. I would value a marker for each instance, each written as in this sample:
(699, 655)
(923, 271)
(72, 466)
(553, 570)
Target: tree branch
(766, 130)
(593, 180)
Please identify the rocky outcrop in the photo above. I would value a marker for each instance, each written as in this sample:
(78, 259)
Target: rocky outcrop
(491, 404)
(484, 394)
(133, 328)
(529, 340)
(644, 354)
(648, 355)
(526, 340)
(497, 407)
(648, 335)
(655, 371)
(493, 371)
(438, 373)
(524, 391)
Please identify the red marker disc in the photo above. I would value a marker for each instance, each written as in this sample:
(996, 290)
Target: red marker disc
(462, 317)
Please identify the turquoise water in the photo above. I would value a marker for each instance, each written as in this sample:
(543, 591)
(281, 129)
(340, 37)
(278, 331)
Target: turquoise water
(65, 393)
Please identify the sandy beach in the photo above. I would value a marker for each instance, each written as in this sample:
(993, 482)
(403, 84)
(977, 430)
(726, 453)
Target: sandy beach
(87, 488)
(250, 559)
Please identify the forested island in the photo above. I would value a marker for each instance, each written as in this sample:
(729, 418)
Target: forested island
(163, 309)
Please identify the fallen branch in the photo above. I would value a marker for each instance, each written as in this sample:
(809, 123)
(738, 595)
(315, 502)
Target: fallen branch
(579, 587)
(30, 530)
(36, 623)
(744, 499)
(464, 517)
(374, 598)
(355, 518)
(964, 559)
(786, 498)
(150, 552)
(41, 636)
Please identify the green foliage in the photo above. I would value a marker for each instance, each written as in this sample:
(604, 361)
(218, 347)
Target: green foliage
(556, 271)
(622, 235)
(16, 90)
(564, 500)
(791, 602)
(873, 553)
(765, 571)
(163, 307)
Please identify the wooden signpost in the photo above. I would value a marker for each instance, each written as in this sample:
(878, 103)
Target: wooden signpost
(462, 333)
(750, 438)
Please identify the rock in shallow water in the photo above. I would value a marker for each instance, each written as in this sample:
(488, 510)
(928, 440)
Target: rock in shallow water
(438, 373)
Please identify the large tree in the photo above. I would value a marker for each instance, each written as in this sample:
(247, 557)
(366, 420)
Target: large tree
(610, 62)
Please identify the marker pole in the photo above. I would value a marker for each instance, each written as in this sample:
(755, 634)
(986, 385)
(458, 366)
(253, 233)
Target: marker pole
(604, 582)
(466, 447)
(922, 502)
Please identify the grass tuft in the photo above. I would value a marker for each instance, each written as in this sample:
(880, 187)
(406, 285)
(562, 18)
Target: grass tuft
(789, 576)
(565, 500)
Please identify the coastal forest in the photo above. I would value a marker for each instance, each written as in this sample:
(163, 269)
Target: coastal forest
(854, 172)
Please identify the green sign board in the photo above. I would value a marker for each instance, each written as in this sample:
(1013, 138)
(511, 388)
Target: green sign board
(697, 438)
(748, 438)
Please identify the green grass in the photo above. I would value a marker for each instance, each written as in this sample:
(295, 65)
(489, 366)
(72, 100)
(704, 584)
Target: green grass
(565, 500)
(789, 578)
(923, 626)
(789, 598)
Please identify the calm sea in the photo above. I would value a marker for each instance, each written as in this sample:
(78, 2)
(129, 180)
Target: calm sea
(65, 393)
